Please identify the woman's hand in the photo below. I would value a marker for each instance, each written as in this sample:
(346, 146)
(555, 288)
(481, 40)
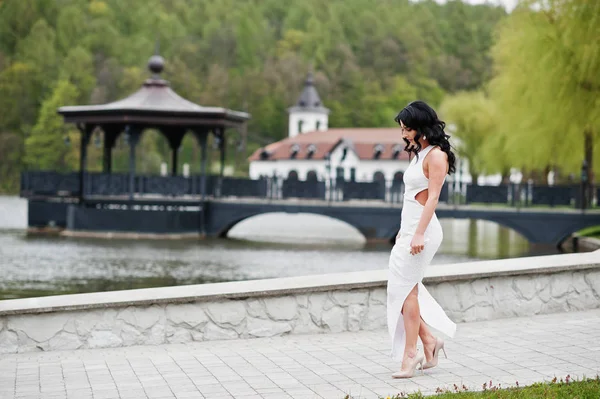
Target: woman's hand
(417, 244)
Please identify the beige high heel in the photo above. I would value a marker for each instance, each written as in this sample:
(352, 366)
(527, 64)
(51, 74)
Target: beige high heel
(417, 360)
(439, 345)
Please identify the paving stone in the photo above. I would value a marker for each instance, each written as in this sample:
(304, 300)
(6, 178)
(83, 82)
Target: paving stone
(505, 351)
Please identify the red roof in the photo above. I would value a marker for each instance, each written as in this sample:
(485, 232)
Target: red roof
(362, 140)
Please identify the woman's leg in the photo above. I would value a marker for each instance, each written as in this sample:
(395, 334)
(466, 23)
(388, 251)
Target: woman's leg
(428, 340)
(412, 321)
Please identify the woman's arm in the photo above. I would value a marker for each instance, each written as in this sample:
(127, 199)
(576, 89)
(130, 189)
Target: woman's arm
(437, 167)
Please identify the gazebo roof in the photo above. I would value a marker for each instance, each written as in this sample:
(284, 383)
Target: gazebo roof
(155, 103)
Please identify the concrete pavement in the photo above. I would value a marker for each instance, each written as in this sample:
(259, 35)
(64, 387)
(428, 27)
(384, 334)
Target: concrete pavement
(505, 351)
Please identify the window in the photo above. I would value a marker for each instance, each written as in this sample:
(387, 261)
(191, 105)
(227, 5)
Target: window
(294, 150)
(264, 154)
(311, 176)
(396, 151)
(378, 150)
(293, 175)
(344, 154)
(300, 123)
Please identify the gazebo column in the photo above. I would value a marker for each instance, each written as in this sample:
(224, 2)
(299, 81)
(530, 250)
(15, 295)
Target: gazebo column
(241, 144)
(86, 133)
(175, 136)
(111, 133)
(201, 136)
(134, 133)
(219, 134)
(174, 160)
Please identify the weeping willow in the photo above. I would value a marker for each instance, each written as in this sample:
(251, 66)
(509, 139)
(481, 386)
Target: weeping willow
(547, 85)
(473, 118)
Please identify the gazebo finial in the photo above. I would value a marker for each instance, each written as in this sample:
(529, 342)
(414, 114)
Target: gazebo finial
(156, 63)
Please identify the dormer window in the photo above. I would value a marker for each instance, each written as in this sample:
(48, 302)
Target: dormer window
(311, 150)
(294, 150)
(344, 154)
(396, 151)
(377, 151)
(264, 154)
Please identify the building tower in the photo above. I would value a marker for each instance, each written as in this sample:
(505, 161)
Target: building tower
(308, 114)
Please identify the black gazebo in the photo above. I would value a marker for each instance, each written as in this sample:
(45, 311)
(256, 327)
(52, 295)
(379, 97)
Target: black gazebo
(154, 105)
(100, 202)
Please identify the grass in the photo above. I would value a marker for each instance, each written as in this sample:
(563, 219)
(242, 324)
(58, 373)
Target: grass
(590, 232)
(523, 206)
(587, 388)
(520, 205)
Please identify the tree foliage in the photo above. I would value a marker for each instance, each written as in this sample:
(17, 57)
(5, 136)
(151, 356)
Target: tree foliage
(474, 120)
(45, 148)
(370, 58)
(547, 85)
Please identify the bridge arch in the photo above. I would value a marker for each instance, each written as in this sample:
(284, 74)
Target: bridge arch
(372, 224)
(537, 227)
(314, 226)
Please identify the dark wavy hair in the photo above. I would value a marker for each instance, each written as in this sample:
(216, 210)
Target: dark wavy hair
(422, 118)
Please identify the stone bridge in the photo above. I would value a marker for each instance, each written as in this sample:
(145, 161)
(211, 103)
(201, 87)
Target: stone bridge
(381, 221)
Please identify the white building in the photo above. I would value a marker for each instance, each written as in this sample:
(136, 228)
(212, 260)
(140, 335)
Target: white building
(312, 150)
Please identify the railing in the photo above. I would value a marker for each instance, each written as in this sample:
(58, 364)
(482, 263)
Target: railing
(52, 184)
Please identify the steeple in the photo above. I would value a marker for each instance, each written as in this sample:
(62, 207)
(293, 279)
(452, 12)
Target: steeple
(308, 114)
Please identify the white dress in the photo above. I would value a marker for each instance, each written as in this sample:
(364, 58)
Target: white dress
(406, 270)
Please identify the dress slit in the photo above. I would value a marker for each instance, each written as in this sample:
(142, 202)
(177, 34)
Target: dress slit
(406, 271)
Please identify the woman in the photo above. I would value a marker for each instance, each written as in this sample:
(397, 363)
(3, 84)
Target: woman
(410, 308)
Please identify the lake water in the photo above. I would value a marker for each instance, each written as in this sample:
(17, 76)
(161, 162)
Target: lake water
(273, 245)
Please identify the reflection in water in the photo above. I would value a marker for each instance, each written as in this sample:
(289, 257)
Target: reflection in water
(504, 243)
(480, 239)
(306, 244)
(473, 239)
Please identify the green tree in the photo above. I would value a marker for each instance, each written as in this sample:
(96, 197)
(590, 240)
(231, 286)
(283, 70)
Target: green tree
(549, 95)
(37, 50)
(18, 16)
(17, 113)
(70, 27)
(370, 57)
(11, 153)
(474, 120)
(45, 147)
(18, 102)
(79, 71)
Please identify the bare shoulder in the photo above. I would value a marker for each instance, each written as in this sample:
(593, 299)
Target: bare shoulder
(437, 157)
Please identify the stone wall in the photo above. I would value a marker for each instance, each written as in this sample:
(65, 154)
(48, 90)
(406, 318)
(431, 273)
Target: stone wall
(178, 323)
(312, 304)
